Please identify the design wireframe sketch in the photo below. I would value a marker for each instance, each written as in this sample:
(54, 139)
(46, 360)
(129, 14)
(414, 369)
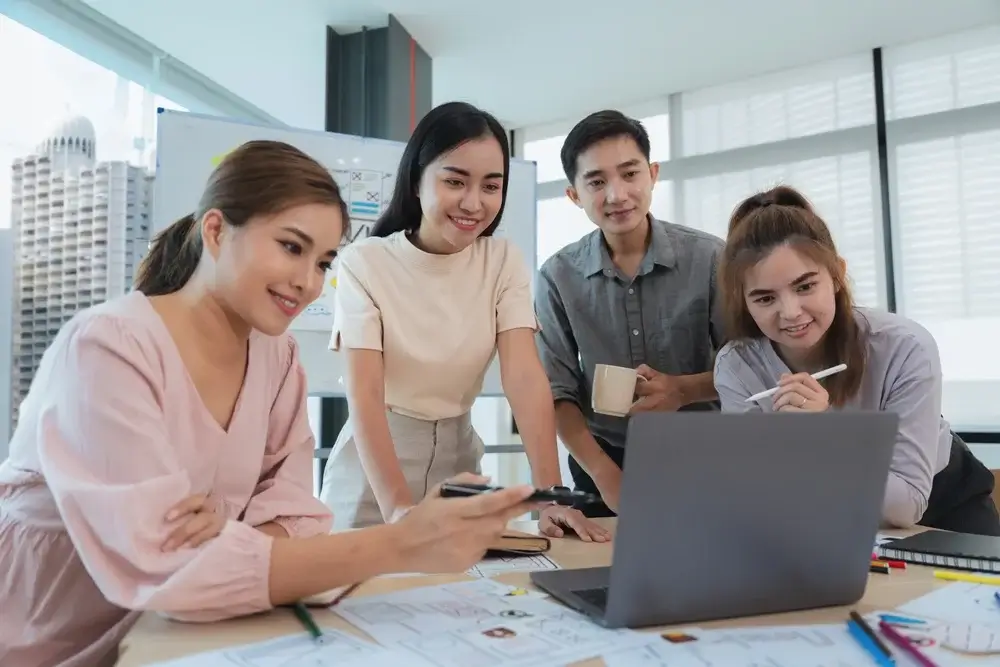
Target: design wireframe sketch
(418, 612)
(494, 566)
(337, 649)
(777, 646)
(559, 638)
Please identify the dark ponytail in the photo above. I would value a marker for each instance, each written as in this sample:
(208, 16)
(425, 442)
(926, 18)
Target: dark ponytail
(172, 259)
(257, 179)
(784, 216)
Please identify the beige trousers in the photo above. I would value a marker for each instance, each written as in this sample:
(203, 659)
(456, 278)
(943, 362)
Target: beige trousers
(429, 452)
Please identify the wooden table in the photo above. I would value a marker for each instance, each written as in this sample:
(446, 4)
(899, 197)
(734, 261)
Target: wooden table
(155, 639)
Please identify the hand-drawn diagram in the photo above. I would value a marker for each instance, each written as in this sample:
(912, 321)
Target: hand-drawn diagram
(299, 651)
(494, 566)
(558, 638)
(959, 637)
(776, 646)
(365, 191)
(790, 646)
(418, 612)
(971, 608)
(337, 649)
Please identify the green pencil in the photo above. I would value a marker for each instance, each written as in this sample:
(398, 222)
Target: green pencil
(306, 618)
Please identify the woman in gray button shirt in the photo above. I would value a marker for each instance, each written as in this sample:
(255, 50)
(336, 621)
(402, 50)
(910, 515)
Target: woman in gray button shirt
(789, 313)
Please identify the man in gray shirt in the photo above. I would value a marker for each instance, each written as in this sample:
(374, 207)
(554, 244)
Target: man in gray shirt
(636, 292)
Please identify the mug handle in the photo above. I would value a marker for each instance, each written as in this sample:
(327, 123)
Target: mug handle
(637, 379)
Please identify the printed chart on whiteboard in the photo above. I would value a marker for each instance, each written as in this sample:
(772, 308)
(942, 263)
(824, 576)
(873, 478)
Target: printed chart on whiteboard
(366, 192)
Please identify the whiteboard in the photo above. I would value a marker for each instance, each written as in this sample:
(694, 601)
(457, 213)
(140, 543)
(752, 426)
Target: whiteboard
(189, 146)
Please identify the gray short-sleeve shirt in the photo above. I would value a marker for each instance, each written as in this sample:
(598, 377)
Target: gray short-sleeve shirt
(666, 316)
(902, 375)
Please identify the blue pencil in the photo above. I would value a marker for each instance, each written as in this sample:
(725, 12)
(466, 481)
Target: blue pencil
(862, 637)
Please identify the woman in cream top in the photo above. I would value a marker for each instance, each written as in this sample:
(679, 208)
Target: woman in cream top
(422, 307)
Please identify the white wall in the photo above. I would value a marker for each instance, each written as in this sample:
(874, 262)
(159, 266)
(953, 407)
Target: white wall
(6, 333)
(272, 54)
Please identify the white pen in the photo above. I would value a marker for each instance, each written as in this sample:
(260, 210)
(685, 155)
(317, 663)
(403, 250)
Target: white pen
(818, 375)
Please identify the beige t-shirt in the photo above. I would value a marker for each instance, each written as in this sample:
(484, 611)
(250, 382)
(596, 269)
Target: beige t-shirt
(434, 317)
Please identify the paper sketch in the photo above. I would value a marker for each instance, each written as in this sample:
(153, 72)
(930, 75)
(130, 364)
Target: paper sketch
(947, 637)
(780, 646)
(560, 638)
(959, 602)
(419, 612)
(494, 566)
(337, 649)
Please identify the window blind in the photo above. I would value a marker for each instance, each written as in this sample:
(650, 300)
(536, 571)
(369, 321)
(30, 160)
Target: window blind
(784, 105)
(839, 186)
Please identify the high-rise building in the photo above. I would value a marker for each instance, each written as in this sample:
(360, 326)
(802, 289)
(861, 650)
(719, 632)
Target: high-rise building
(80, 229)
(6, 333)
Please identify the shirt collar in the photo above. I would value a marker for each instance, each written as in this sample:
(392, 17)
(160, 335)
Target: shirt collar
(660, 252)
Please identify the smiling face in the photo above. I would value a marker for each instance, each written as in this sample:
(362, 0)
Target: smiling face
(268, 270)
(614, 185)
(460, 195)
(792, 300)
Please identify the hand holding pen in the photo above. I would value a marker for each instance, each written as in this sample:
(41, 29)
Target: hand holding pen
(800, 392)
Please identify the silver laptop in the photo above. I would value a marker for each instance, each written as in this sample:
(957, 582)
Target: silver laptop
(731, 515)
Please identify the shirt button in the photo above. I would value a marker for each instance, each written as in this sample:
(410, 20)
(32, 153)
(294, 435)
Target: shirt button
(631, 290)
(635, 332)
(607, 272)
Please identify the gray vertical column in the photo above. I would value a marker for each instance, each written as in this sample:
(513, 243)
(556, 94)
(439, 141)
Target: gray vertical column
(378, 84)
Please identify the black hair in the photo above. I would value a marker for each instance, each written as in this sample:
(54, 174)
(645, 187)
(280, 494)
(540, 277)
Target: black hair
(595, 128)
(443, 129)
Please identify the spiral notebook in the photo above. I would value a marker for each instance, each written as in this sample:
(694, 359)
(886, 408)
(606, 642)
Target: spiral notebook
(958, 551)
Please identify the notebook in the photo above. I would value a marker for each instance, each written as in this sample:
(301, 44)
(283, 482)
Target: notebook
(958, 551)
(516, 543)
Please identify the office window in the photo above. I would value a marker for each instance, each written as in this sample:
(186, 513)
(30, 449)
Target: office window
(658, 129)
(662, 206)
(784, 105)
(839, 186)
(954, 72)
(52, 84)
(70, 210)
(949, 226)
(560, 222)
(943, 101)
(545, 153)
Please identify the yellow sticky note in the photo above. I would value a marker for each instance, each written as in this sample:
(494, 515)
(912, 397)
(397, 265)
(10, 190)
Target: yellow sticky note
(219, 158)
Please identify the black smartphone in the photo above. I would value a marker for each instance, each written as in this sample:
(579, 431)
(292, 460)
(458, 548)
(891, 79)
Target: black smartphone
(566, 497)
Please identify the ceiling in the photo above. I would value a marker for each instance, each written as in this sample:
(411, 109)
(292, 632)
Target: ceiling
(535, 61)
(539, 61)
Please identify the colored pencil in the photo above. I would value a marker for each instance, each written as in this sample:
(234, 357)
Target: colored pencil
(905, 645)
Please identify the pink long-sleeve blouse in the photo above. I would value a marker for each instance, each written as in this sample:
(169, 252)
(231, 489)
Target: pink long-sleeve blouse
(111, 435)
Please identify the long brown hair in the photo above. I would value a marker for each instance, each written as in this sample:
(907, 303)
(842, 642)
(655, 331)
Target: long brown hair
(258, 178)
(783, 216)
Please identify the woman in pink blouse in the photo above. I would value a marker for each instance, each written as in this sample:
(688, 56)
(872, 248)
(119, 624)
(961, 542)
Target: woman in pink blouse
(188, 391)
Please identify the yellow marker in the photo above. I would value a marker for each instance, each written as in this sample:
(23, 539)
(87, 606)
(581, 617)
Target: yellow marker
(970, 578)
(333, 282)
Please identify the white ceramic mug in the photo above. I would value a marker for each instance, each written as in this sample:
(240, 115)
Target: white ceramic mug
(613, 392)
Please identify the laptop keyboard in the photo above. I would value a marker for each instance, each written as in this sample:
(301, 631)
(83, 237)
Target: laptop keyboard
(595, 596)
